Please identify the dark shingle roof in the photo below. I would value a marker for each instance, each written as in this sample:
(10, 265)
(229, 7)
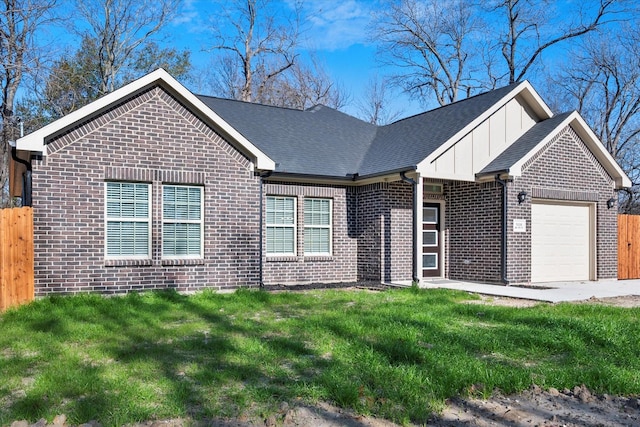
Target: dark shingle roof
(524, 144)
(407, 142)
(323, 141)
(318, 141)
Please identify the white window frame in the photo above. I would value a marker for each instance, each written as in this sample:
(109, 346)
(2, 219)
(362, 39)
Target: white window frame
(430, 268)
(200, 221)
(433, 209)
(108, 219)
(430, 245)
(293, 226)
(322, 226)
(432, 187)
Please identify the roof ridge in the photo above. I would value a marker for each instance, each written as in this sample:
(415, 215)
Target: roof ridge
(512, 85)
(259, 104)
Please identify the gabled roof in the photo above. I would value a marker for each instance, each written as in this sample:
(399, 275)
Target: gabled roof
(326, 143)
(511, 160)
(319, 141)
(519, 149)
(407, 142)
(36, 141)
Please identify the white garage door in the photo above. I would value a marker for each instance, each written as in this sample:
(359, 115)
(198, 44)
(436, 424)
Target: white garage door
(560, 242)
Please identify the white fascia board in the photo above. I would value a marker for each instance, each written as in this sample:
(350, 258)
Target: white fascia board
(516, 168)
(534, 100)
(597, 148)
(444, 175)
(591, 141)
(35, 141)
(524, 89)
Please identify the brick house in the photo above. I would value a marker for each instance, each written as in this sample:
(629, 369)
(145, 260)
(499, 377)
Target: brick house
(154, 187)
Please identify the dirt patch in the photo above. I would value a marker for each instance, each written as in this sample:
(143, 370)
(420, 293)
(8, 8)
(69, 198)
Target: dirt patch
(629, 301)
(503, 301)
(537, 407)
(534, 407)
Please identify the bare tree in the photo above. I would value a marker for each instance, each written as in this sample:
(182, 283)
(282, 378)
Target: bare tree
(430, 43)
(529, 29)
(374, 106)
(447, 50)
(260, 42)
(303, 86)
(119, 28)
(602, 82)
(20, 20)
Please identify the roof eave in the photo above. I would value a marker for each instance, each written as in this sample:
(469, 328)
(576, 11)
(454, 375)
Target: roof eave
(36, 141)
(594, 144)
(621, 179)
(524, 90)
(491, 175)
(350, 179)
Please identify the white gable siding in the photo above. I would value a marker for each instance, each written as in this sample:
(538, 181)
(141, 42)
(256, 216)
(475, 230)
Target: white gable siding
(478, 148)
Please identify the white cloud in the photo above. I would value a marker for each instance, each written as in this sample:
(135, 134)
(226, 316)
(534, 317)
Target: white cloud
(189, 14)
(338, 24)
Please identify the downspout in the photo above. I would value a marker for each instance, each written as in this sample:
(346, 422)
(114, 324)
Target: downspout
(26, 183)
(503, 239)
(414, 236)
(262, 177)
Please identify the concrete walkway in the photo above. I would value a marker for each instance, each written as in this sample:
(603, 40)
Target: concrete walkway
(549, 292)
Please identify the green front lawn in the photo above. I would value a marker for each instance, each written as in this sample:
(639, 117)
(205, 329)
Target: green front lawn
(396, 354)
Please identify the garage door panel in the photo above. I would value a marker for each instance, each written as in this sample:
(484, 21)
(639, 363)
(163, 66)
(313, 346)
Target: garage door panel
(560, 242)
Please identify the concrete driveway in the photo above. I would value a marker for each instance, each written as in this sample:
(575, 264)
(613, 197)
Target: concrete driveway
(549, 292)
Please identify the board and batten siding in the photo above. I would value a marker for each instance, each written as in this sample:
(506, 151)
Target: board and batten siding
(479, 147)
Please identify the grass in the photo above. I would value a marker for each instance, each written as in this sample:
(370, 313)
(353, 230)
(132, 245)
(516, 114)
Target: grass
(397, 354)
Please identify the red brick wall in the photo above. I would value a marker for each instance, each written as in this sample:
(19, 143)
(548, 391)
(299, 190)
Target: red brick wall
(372, 235)
(153, 138)
(341, 266)
(385, 242)
(563, 170)
(473, 231)
(149, 138)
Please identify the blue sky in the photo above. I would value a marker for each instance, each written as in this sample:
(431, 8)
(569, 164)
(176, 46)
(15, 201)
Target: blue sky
(336, 31)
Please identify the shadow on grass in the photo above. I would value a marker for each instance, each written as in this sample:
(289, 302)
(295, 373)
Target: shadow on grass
(137, 365)
(398, 355)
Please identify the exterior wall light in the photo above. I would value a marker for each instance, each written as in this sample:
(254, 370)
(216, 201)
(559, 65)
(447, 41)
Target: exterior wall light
(611, 203)
(522, 197)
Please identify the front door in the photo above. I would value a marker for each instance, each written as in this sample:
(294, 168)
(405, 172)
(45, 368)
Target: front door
(431, 240)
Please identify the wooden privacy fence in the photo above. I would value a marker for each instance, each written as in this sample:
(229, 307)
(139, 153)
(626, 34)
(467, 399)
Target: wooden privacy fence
(628, 246)
(16, 257)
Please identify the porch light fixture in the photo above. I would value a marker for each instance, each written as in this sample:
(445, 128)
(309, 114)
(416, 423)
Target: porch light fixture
(611, 203)
(521, 197)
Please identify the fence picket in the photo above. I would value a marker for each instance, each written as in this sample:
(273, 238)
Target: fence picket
(628, 246)
(16, 257)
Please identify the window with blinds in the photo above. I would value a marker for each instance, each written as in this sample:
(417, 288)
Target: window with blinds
(317, 226)
(128, 220)
(281, 225)
(182, 225)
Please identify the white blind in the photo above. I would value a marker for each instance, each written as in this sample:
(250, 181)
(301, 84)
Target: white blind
(280, 221)
(127, 207)
(182, 221)
(317, 226)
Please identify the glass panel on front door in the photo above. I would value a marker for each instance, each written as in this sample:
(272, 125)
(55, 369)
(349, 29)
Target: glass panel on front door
(431, 240)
